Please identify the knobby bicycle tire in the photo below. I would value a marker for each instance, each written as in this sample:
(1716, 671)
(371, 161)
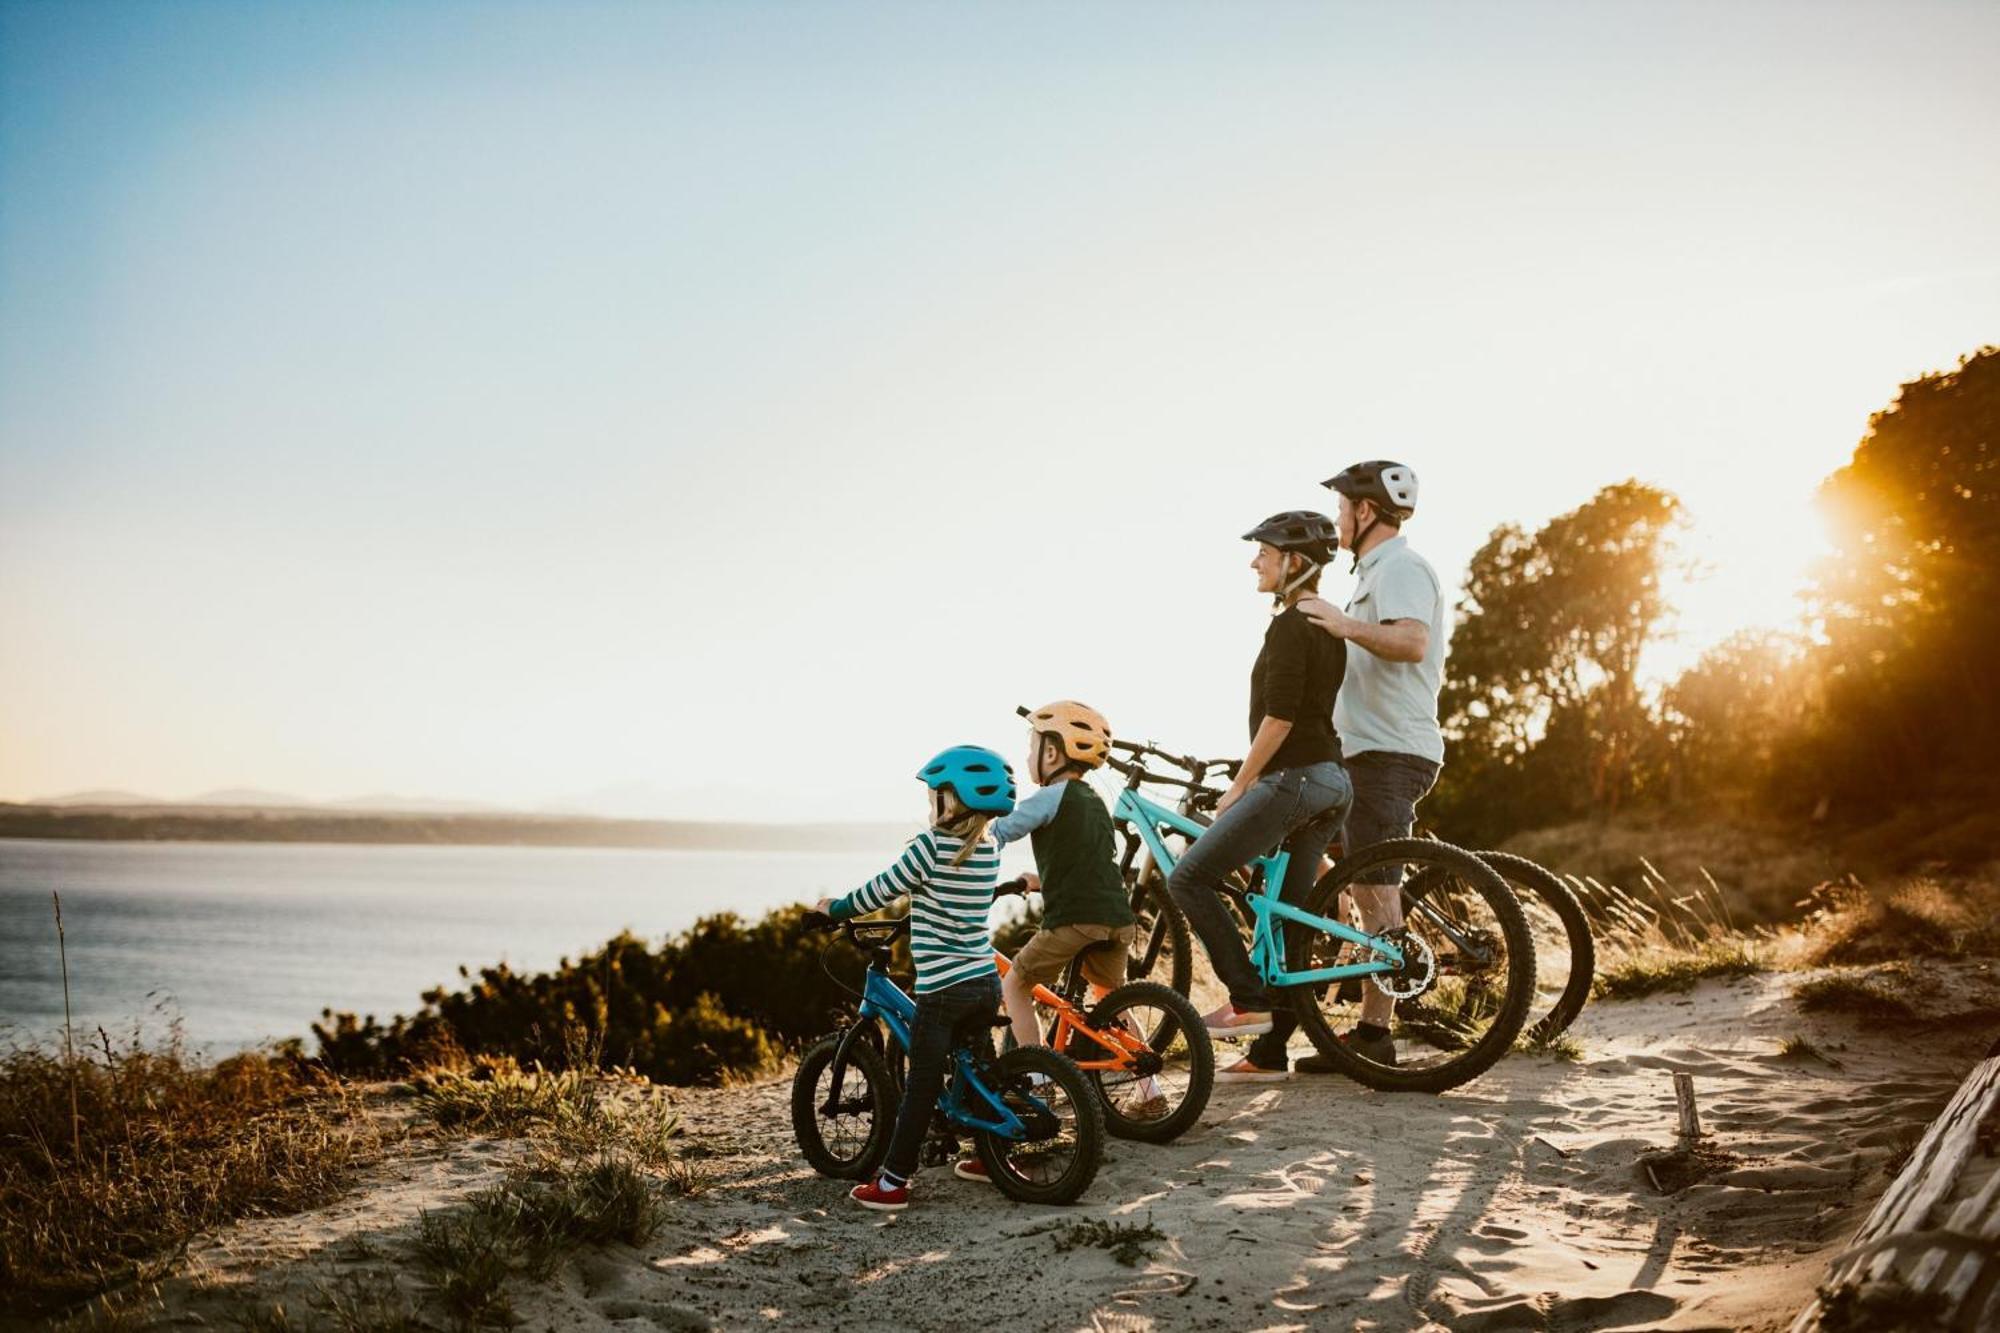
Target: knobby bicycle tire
(1323, 900)
(1519, 871)
(1201, 1060)
(881, 1097)
(995, 1153)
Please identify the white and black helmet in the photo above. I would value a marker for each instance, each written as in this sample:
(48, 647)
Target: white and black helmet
(1392, 487)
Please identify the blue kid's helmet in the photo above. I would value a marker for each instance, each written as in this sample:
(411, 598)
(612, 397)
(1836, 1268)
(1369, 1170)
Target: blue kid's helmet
(981, 778)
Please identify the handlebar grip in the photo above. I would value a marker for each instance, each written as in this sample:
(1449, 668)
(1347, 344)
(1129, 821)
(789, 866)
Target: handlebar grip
(1018, 884)
(1021, 711)
(815, 920)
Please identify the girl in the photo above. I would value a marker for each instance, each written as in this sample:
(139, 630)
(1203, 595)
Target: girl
(948, 871)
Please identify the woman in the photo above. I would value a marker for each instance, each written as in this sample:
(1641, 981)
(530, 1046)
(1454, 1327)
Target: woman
(1291, 787)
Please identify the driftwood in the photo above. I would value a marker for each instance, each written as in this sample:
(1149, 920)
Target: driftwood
(1935, 1236)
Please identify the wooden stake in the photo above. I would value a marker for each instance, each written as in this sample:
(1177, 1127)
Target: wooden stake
(1690, 1121)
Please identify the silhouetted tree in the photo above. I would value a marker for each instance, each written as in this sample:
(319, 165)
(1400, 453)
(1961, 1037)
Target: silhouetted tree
(1542, 704)
(1909, 602)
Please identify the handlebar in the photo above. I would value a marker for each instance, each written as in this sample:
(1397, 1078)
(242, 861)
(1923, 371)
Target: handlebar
(862, 934)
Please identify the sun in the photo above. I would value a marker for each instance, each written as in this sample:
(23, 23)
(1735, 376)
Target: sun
(1743, 568)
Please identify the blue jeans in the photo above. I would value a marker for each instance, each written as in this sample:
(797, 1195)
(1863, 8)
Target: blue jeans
(976, 999)
(1303, 808)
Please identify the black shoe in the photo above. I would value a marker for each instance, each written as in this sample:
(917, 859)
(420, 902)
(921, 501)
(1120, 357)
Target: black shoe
(1381, 1051)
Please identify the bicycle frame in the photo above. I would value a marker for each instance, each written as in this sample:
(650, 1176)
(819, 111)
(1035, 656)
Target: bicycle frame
(1267, 947)
(1123, 1051)
(966, 1100)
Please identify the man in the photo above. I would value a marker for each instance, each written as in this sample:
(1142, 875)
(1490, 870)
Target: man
(1386, 714)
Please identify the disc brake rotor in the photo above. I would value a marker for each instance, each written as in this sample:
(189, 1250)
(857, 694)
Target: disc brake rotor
(1418, 972)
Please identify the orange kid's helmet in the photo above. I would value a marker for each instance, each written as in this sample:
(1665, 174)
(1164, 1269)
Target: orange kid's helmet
(1080, 729)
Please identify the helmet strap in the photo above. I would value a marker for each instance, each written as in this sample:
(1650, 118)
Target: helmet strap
(1283, 596)
(1361, 534)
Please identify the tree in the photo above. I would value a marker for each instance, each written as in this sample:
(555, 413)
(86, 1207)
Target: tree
(1732, 718)
(1909, 601)
(1542, 708)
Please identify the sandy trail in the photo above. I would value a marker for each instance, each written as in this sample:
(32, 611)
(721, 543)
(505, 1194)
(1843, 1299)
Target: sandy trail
(1515, 1203)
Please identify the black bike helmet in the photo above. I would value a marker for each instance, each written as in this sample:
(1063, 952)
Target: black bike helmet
(1392, 487)
(1313, 536)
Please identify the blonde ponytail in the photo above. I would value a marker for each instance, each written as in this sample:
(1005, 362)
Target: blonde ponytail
(959, 822)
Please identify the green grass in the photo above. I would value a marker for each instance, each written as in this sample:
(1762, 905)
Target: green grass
(1652, 971)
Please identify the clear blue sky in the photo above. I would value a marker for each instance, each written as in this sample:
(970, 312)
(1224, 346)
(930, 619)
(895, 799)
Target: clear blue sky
(741, 401)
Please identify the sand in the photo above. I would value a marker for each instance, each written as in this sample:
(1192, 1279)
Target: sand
(1515, 1203)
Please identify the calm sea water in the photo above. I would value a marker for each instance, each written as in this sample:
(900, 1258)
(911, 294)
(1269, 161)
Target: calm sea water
(249, 941)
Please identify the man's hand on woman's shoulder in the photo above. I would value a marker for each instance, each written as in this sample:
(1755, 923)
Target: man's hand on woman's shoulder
(1328, 617)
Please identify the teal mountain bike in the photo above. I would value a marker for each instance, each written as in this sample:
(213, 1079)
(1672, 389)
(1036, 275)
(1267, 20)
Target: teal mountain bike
(1461, 969)
(1558, 923)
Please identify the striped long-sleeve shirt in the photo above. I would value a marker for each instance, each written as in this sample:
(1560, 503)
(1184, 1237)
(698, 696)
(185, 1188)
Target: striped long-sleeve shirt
(948, 906)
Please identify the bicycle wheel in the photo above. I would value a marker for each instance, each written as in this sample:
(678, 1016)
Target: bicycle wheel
(851, 1141)
(1066, 1126)
(1468, 977)
(1162, 947)
(1158, 1099)
(1565, 950)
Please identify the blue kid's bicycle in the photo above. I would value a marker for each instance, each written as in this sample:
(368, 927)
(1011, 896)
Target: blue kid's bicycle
(1032, 1115)
(1461, 969)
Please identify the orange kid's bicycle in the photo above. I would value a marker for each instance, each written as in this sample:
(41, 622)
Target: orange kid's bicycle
(1143, 1047)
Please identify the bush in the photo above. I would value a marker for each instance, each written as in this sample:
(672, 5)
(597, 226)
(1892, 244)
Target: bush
(721, 1000)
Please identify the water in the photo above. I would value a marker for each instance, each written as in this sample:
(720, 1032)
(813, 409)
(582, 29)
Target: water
(249, 941)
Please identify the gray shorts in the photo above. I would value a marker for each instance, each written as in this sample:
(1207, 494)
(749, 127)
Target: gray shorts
(1387, 787)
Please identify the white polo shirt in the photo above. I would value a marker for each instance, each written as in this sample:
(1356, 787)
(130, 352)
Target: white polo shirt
(1393, 706)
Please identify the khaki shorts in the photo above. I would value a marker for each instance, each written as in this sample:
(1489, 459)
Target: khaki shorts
(1102, 948)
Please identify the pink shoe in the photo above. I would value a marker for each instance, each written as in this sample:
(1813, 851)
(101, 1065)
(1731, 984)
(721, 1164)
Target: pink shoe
(1229, 1021)
(880, 1195)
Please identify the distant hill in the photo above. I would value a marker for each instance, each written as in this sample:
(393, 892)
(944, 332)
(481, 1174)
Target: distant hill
(120, 798)
(415, 805)
(247, 796)
(158, 822)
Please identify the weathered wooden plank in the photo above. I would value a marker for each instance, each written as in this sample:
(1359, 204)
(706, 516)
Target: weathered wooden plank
(1951, 1259)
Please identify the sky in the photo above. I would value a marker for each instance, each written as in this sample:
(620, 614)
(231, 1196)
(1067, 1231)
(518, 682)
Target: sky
(712, 410)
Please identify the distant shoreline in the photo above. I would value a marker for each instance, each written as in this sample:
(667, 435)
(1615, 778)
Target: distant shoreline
(254, 824)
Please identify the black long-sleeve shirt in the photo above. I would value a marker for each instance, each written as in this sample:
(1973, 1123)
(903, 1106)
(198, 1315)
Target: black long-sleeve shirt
(1295, 680)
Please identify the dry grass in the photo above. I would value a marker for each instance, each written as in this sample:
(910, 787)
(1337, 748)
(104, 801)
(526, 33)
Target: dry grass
(1559, 1046)
(530, 1226)
(1760, 870)
(1800, 1047)
(1848, 924)
(1878, 994)
(161, 1147)
(1660, 938)
(570, 1113)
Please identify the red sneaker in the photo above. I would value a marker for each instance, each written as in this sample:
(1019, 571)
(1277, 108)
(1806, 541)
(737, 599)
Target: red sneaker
(880, 1195)
(971, 1168)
